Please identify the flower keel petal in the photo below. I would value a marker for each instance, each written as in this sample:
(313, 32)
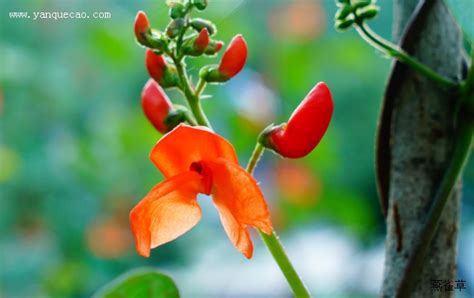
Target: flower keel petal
(239, 201)
(237, 232)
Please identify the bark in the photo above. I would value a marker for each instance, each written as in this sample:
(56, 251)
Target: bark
(415, 144)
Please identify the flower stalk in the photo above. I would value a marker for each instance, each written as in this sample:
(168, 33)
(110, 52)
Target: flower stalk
(191, 97)
(273, 242)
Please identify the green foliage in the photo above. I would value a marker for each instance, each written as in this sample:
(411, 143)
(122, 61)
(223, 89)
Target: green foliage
(140, 283)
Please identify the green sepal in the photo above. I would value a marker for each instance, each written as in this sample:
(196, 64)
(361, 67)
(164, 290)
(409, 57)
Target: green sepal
(264, 138)
(170, 77)
(211, 74)
(155, 40)
(175, 117)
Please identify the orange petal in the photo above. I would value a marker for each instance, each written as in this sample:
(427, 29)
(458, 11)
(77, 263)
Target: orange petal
(176, 151)
(237, 232)
(169, 210)
(239, 201)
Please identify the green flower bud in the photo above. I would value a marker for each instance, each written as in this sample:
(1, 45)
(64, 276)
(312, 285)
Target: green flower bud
(342, 25)
(368, 12)
(343, 12)
(361, 3)
(198, 24)
(200, 4)
(177, 10)
(174, 27)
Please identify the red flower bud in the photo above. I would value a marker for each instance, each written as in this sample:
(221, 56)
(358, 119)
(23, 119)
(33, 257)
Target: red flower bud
(201, 42)
(234, 57)
(142, 25)
(156, 105)
(305, 128)
(155, 64)
(213, 47)
(219, 46)
(159, 70)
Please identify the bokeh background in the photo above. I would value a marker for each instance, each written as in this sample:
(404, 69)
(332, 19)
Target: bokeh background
(74, 148)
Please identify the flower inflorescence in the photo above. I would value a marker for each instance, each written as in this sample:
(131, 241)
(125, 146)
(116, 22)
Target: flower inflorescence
(194, 159)
(185, 36)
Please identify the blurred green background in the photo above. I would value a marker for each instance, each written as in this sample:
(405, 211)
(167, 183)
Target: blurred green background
(74, 148)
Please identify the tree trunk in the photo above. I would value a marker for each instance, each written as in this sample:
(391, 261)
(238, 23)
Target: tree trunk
(415, 144)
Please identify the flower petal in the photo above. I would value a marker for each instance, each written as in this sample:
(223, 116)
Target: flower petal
(239, 201)
(237, 232)
(169, 210)
(176, 151)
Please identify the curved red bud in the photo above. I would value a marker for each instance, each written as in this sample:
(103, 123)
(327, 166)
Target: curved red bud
(234, 57)
(202, 40)
(156, 105)
(142, 25)
(155, 64)
(219, 46)
(306, 126)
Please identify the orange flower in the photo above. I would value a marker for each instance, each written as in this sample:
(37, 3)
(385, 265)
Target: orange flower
(195, 160)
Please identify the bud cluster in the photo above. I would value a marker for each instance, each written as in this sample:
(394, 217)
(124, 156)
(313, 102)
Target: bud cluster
(184, 36)
(352, 12)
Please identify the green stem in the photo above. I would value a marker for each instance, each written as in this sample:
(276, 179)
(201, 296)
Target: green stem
(198, 112)
(394, 51)
(461, 152)
(179, 42)
(200, 87)
(273, 243)
(192, 99)
(278, 252)
(256, 154)
(190, 119)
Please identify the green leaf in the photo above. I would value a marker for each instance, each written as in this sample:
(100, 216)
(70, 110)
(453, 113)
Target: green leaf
(140, 283)
(463, 11)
